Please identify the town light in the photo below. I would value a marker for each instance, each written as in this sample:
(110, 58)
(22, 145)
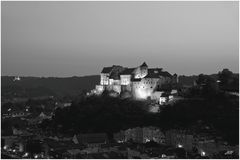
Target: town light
(120, 141)
(229, 152)
(203, 153)
(5, 147)
(180, 146)
(26, 154)
(14, 150)
(36, 156)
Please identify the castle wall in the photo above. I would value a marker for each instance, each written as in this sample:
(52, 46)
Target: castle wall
(125, 79)
(126, 88)
(117, 82)
(144, 88)
(104, 79)
(99, 89)
(110, 81)
(114, 82)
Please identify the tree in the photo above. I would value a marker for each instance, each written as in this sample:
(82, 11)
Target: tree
(201, 79)
(225, 77)
(207, 85)
(102, 114)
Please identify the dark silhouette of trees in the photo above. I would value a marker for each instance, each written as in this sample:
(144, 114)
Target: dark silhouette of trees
(228, 80)
(225, 77)
(33, 146)
(207, 84)
(110, 115)
(101, 114)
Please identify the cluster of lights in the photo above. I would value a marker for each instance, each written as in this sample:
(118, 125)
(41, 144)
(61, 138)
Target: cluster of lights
(38, 156)
(26, 154)
(229, 152)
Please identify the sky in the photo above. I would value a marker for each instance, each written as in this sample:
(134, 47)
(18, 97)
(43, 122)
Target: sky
(64, 39)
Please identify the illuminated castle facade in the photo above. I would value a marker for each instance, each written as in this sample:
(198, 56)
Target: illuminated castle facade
(140, 82)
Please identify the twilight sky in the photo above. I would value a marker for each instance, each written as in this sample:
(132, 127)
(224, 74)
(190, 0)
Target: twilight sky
(80, 38)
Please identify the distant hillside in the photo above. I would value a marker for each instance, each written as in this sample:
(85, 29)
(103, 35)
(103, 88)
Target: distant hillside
(189, 80)
(36, 86)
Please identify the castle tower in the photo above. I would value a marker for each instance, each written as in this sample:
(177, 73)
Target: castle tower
(144, 69)
(144, 65)
(141, 71)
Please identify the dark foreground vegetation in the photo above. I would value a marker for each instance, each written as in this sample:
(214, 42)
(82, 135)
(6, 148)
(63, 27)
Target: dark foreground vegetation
(109, 115)
(208, 102)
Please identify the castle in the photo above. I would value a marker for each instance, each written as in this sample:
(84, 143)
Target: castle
(140, 82)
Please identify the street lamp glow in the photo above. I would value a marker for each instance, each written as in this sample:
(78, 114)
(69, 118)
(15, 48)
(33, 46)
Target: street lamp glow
(180, 146)
(26, 154)
(203, 153)
(5, 147)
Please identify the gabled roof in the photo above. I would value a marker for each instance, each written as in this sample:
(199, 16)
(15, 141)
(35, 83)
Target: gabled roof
(165, 74)
(114, 75)
(152, 75)
(127, 71)
(136, 80)
(144, 64)
(107, 69)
